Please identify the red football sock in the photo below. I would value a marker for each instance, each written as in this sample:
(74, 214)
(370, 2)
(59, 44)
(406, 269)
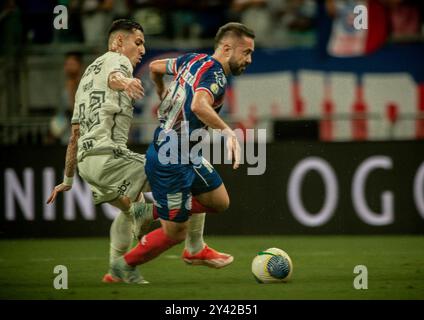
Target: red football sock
(149, 247)
(197, 207)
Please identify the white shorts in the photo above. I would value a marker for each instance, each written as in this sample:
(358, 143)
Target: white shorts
(113, 175)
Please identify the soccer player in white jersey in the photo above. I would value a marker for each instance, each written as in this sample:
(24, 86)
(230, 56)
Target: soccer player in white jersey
(101, 122)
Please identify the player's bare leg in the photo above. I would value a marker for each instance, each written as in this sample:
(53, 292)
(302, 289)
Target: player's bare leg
(217, 199)
(175, 230)
(196, 250)
(122, 203)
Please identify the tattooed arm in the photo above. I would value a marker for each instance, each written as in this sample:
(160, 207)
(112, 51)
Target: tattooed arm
(132, 86)
(70, 164)
(71, 153)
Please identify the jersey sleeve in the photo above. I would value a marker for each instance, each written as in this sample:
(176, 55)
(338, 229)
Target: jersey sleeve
(173, 65)
(117, 63)
(214, 83)
(76, 112)
(120, 63)
(75, 116)
(171, 68)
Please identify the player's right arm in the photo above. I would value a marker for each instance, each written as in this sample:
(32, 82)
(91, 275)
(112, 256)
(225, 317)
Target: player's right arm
(70, 164)
(132, 86)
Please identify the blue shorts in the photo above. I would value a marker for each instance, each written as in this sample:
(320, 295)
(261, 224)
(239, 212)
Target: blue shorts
(174, 184)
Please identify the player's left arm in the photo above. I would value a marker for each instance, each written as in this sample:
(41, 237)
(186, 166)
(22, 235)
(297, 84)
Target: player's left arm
(70, 164)
(202, 108)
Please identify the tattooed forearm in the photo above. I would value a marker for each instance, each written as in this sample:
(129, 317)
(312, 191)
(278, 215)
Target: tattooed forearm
(71, 152)
(117, 81)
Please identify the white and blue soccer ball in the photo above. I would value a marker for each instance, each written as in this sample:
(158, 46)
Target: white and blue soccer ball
(272, 265)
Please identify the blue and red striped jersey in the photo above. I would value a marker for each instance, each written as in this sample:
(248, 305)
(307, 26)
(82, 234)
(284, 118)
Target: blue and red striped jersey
(192, 72)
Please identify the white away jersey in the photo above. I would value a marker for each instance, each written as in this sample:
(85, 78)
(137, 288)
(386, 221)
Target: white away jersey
(104, 114)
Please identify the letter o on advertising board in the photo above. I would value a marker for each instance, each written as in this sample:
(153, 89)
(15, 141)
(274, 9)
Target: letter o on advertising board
(295, 187)
(419, 190)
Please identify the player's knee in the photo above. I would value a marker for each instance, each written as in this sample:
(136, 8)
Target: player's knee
(123, 203)
(222, 205)
(177, 233)
(178, 237)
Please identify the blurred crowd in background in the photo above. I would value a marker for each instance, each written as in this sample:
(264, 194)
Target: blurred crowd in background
(276, 22)
(40, 66)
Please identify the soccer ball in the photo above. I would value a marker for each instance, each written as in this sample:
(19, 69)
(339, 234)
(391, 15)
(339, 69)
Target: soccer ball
(272, 266)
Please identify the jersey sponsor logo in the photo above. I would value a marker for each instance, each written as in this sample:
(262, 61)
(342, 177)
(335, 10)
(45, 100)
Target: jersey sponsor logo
(87, 86)
(96, 68)
(220, 78)
(122, 189)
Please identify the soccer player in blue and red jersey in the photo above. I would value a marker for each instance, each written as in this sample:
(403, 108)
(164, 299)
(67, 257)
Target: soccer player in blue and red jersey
(188, 184)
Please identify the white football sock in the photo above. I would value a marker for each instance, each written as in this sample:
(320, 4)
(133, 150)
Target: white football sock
(148, 197)
(194, 240)
(120, 235)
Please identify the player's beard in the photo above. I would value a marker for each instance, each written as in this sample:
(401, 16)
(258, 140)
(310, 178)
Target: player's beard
(235, 68)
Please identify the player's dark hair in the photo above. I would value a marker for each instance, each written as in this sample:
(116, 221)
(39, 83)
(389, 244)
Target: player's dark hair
(124, 25)
(234, 29)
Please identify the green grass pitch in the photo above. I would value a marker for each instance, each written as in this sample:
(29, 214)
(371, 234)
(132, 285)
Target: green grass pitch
(323, 269)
